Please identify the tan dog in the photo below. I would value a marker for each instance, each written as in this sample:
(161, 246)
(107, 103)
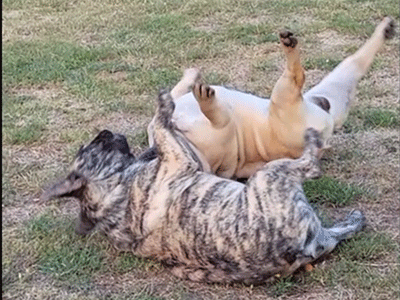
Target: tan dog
(238, 132)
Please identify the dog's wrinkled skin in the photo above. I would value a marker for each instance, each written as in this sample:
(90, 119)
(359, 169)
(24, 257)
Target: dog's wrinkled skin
(204, 227)
(237, 132)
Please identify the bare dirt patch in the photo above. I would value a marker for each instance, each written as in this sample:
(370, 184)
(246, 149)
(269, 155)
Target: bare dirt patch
(42, 91)
(124, 123)
(331, 40)
(117, 76)
(208, 25)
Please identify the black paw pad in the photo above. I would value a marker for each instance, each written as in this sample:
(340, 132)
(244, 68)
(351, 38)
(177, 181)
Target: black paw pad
(285, 34)
(288, 39)
(390, 30)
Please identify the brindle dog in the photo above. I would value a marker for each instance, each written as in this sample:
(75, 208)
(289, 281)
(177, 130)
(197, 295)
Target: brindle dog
(206, 228)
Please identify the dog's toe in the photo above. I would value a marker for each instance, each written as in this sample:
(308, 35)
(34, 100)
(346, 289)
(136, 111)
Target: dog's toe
(210, 92)
(203, 92)
(285, 34)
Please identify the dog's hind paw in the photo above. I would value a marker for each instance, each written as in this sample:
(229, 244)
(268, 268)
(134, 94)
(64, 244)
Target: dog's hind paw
(389, 28)
(287, 39)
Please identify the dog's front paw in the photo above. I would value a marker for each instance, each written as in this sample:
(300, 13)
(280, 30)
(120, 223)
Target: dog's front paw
(192, 75)
(287, 39)
(203, 92)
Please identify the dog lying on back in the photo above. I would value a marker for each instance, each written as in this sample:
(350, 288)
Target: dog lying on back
(206, 228)
(238, 132)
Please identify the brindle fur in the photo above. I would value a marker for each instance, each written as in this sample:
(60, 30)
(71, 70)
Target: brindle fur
(206, 228)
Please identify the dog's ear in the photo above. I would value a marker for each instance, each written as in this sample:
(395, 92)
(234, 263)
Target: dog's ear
(71, 186)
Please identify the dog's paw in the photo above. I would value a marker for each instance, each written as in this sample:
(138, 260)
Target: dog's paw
(287, 39)
(390, 27)
(356, 218)
(203, 92)
(192, 75)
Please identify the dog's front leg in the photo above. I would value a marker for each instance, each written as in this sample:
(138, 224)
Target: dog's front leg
(190, 77)
(288, 88)
(172, 146)
(218, 114)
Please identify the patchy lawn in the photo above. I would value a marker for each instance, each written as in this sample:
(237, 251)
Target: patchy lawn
(73, 68)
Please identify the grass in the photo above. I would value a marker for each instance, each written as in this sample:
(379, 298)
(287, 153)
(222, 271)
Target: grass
(322, 63)
(39, 62)
(328, 191)
(252, 34)
(71, 69)
(368, 118)
(24, 120)
(368, 247)
(361, 265)
(284, 286)
(57, 251)
(60, 253)
(127, 262)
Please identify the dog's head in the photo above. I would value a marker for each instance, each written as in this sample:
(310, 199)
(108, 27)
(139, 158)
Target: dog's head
(96, 178)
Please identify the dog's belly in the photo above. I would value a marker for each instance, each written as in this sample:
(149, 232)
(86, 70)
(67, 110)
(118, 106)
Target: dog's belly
(246, 143)
(223, 147)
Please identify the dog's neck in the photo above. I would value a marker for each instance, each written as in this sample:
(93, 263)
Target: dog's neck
(112, 212)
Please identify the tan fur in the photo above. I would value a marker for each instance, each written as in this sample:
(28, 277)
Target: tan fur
(238, 132)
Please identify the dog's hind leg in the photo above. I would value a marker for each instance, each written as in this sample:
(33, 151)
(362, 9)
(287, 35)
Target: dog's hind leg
(339, 87)
(190, 77)
(326, 239)
(321, 241)
(304, 167)
(287, 89)
(218, 114)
